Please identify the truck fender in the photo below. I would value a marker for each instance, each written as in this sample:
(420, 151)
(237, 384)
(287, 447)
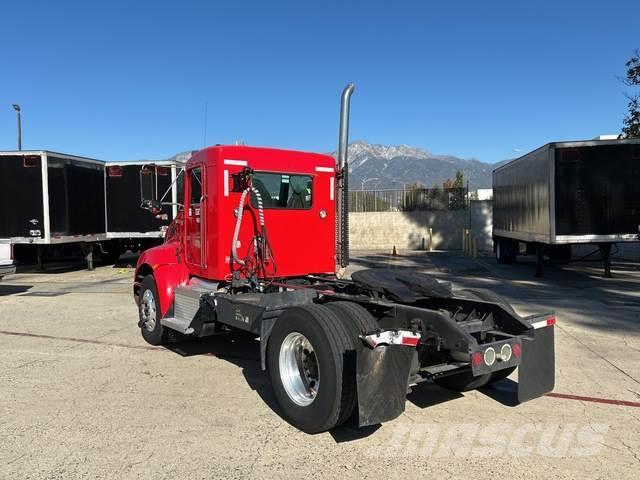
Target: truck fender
(167, 278)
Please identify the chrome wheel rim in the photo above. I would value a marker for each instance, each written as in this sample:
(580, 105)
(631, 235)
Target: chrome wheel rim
(148, 310)
(299, 369)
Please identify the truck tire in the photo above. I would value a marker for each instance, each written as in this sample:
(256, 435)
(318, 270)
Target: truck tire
(306, 364)
(358, 321)
(149, 312)
(506, 251)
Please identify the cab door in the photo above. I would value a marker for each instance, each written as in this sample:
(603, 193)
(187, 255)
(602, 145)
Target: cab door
(195, 217)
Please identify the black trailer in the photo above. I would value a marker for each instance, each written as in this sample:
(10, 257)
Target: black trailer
(58, 204)
(127, 184)
(567, 193)
(50, 199)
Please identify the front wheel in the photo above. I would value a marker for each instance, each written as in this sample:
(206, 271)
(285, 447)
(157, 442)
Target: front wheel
(306, 363)
(149, 312)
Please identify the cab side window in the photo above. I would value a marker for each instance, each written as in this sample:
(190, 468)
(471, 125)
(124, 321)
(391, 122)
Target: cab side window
(196, 185)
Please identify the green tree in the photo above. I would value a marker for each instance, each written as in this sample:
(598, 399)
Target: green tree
(631, 128)
(459, 181)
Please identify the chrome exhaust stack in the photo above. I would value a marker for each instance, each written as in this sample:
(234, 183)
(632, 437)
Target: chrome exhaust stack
(342, 204)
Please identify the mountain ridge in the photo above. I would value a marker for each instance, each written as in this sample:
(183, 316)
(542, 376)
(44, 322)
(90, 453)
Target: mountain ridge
(375, 166)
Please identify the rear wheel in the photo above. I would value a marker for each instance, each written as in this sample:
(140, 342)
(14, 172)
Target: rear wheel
(306, 363)
(357, 320)
(149, 312)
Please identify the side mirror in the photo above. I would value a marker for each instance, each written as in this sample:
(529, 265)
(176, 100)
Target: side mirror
(154, 206)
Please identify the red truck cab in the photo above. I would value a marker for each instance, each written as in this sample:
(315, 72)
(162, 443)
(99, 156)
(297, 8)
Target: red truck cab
(298, 195)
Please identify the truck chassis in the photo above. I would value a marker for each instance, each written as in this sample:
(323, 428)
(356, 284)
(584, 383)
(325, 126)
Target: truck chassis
(369, 339)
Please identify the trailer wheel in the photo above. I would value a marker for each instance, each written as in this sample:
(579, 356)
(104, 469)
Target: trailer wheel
(149, 312)
(358, 321)
(306, 363)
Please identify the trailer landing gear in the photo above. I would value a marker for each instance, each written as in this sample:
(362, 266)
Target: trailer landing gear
(87, 251)
(605, 251)
(539, 260)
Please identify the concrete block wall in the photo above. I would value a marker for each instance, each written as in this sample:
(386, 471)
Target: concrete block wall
(406, 230)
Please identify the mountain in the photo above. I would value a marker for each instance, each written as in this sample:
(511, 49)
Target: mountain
(389, 167)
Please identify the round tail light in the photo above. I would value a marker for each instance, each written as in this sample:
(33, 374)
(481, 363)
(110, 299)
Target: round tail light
(490, 356)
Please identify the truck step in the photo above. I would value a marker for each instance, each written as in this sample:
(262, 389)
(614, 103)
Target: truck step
(180, 325)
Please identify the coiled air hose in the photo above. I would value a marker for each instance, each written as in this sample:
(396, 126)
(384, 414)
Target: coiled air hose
(236, 231)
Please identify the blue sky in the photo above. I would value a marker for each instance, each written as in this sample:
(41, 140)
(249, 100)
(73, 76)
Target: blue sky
(129, 80)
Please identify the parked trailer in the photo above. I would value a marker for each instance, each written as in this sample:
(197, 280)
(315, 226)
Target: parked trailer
(6, 261)
(260, 246)
(567, 193)
(55, 203)
(127, 184)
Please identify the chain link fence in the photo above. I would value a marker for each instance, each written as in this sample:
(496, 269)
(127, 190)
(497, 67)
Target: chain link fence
(408, 200)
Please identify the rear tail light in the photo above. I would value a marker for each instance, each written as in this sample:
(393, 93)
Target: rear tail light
(517, 350)
(30, 161)
(114, 171)
(477, 359)
(162, 171)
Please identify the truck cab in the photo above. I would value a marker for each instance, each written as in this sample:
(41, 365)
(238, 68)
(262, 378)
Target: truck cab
(297, 196)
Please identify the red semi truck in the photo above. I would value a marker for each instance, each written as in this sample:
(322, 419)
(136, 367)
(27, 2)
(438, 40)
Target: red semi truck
(260, 245)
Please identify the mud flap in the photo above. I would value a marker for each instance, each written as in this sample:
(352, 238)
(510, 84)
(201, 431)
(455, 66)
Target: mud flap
(536, 373)
(382, 379)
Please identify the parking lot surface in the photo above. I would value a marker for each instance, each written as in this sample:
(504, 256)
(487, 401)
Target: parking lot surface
(83, 396)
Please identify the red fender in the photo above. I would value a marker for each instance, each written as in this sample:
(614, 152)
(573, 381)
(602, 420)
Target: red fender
(167, 269)
(167, 278)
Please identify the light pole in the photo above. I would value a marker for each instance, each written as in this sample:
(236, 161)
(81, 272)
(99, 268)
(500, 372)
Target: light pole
(16, 107)
(365, 181)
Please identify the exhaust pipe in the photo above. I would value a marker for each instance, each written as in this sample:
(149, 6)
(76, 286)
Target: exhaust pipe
(342, 214)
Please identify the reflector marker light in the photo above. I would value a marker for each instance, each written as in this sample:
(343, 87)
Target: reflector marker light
(114, 171)
(391, 337)
(324, 169)
(544, 323)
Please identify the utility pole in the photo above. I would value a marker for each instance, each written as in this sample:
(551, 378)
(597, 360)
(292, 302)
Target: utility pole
(16, 107)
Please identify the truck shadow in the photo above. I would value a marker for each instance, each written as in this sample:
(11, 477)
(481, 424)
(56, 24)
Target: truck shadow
(243, 350)
(13, 289)
(240, 349)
